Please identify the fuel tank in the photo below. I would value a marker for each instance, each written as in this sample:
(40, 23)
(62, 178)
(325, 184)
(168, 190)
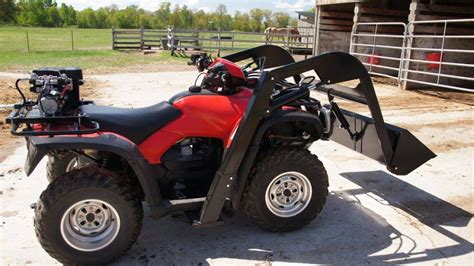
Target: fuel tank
(204, 114)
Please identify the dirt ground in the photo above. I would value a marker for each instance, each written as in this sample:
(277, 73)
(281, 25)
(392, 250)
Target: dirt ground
(371, 215)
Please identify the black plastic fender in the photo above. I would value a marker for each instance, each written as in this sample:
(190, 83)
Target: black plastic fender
(38, 147)
(283, 116)
(278, 116)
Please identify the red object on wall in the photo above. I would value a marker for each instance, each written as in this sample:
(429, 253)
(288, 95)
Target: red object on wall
(433, 57)
(374, 59)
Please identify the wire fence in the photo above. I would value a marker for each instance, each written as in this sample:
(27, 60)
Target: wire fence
(20, 39)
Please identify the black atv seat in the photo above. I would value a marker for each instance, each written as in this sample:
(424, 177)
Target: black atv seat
(136, 124)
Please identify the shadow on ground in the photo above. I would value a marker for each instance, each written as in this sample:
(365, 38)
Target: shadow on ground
(344, 233)
(423, 206)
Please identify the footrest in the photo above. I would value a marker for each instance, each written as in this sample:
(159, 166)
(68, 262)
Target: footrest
(198, 224)
(171, 206)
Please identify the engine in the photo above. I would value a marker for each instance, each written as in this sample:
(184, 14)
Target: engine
(57, 89)
(192, 164)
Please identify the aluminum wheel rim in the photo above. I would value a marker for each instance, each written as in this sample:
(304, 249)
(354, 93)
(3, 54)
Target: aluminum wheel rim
(90, 225)
(288, 194)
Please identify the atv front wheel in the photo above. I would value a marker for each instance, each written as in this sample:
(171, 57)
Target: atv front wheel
(88, 216)
(288, 189)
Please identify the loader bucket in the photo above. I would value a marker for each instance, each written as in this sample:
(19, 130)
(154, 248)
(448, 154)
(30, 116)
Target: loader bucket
(408, 152)
(393, 146)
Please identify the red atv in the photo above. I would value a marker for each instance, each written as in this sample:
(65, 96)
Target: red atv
(237, 141)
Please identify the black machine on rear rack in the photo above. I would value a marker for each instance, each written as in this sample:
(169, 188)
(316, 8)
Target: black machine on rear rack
(56, 104)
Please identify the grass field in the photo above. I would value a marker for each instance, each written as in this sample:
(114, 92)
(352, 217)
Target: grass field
(53, 47)
(95, 60)
(23, 49)
(14, 39)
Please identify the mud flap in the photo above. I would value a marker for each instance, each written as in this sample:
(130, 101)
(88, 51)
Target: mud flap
(408, 152)
(34, 156)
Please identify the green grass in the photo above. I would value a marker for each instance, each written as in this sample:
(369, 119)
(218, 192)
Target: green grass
(53, 47)
(54, 39)
(59, 39)
(89, 60)
(92, 49)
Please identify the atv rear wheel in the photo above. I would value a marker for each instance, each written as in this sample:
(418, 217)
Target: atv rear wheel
(57, 165)
(288, 189)
(88, 216)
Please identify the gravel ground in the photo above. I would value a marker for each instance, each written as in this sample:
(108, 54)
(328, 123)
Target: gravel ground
(371, 215)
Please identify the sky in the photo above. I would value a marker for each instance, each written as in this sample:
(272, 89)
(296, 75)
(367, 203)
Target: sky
(207, 5)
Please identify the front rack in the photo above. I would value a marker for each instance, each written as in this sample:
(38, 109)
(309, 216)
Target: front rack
(27, 115)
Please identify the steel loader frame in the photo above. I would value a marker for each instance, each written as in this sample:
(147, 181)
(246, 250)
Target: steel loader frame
(395, 147)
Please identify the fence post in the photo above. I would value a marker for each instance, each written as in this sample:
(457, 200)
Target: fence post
(72, 39)
(113, 38)
(233, 37)
(317, 20)
(170, 37)
(141, 38)
(27, 41)
(409, 43)
(219, 42)
(197, 36)
(288, 37)
(442, 52)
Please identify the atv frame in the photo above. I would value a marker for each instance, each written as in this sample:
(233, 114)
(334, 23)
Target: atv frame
(394, 147)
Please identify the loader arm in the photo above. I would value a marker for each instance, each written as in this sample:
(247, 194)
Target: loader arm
(400, 151)
(395, 147)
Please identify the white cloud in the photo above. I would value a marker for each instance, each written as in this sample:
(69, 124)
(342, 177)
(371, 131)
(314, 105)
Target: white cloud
(297, 5)
(191, 2)
(205, 8)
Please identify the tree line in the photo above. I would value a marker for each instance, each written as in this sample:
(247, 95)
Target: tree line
(47, 13)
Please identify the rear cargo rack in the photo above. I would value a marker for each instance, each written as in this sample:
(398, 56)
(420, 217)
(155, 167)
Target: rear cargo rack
(27, 115)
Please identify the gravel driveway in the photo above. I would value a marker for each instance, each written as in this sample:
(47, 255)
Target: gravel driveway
(371, 216)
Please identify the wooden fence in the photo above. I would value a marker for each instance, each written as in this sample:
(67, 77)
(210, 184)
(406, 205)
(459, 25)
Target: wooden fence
(178, 39)
(138, 39)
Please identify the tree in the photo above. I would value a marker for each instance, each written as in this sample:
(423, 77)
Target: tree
(46, 13)
(200, 20)
(240, 21)
(175, 18)
(112, 12)
(281, 19)
(68, 15)
(161, 17)
(8, 11)
(221, 10)
(293, 22)
(33, 12)
(86, 18)
(256, 16)
(186, 17)
(128, 18)
(267, 18)
(54, 19)
(145, 21)
(101, 18)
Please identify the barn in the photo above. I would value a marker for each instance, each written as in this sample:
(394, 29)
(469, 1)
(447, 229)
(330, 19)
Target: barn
(415, 42)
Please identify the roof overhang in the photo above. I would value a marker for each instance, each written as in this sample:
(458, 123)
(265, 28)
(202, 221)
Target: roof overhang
(334, 2)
